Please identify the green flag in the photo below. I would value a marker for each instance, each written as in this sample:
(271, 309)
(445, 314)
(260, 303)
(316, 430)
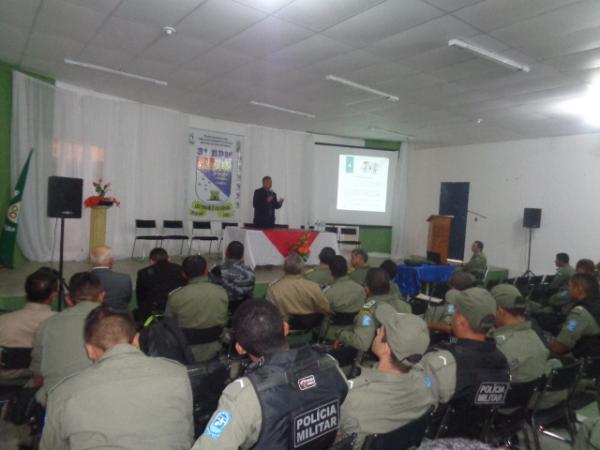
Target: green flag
(9, 231)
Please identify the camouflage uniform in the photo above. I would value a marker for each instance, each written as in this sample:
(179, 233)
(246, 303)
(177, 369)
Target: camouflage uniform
(237, 278)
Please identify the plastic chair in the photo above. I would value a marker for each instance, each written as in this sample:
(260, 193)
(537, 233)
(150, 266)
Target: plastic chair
(202, 225)
(146, 226)
(177, 225)
(403, 438)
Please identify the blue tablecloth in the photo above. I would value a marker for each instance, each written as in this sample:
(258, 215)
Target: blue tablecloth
(409, 278)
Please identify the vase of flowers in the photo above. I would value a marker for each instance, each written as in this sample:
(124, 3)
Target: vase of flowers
(101, 198)
(302, 247)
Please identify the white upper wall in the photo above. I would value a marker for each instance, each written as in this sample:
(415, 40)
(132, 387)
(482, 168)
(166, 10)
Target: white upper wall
(560, 175)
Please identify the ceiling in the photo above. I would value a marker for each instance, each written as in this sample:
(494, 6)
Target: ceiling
(228, 52)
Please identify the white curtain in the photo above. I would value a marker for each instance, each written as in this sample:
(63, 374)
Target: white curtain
(400, 204)
(286, 156)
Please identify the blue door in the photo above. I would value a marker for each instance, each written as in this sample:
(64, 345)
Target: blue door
(454, 201)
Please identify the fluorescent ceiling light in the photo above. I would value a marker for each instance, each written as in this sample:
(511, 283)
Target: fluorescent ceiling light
(404, 135)
(586, 106)
(362, 87)
(489, 55)
(279, 108)
(114, 71)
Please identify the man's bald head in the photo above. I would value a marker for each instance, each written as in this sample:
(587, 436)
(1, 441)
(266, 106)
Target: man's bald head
(101, 256)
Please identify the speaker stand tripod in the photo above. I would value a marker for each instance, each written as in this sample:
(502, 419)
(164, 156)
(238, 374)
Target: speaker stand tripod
(528, 272)
(61, 283)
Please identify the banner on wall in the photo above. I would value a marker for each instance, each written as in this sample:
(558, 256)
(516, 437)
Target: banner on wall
(214, 188)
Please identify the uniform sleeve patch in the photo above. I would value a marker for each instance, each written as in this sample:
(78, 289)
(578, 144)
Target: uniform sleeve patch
(571, 325)
(428, 382)
(366, 321)
(450, 308)
(218, 424)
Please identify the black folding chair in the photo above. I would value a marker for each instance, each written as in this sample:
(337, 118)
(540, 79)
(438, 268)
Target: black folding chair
(522, 284)
(560, 379)
(202, 226)
(148, 233)
(13, 358)
(281, 225)
(302, 329)
(223, 226)
(331, 229)
(403, 438)
(174, 225)
(584, 395)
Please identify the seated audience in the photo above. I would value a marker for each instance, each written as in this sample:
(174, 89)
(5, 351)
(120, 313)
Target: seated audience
(396, 392)
(155, 282)
(321, 274)
(125, 400)
(358, 261)
(293, 294)
(236, 278)
(581, 331)
(286, 399)
(477, 265)
(17, 328)
(459, 369)
(588, 436)
(345, 298)
(392, 270)
(58, 345)
(439, 317)
(564, 271)
(200, 309)
(116, 285)
(363, 331)
(515, 338)
(585, 266)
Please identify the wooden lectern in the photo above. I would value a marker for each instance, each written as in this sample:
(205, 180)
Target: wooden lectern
(439, 236)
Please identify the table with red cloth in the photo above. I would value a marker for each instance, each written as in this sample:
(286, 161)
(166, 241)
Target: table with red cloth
(271, 246)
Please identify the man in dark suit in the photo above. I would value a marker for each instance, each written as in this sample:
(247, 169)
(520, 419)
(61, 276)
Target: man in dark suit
(117, 285)
(155, 282)
(265, 203)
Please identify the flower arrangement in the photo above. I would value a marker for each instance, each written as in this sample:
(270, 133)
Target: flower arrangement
(302, 247)
(100, 199)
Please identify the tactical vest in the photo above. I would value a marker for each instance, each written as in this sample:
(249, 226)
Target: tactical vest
(589, 345)
(300, 393)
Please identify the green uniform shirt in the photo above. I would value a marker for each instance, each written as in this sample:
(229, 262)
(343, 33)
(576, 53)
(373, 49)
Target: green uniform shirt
(345, 296)
(359, 274)
(561, 279)
(126, 400)
(293, 295)
(477, 265)
(59, 348)
(579, 323)
(440, 366)
(379, 402)
(365, 325)
(588, 436)
(320, 275)
(395, 290)
(240, 405)
(524, 351)
(200, 305)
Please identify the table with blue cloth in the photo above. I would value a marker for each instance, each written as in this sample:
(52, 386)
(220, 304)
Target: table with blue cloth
(409, 278)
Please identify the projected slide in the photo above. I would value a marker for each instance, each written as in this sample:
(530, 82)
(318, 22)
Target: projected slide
(362, 183)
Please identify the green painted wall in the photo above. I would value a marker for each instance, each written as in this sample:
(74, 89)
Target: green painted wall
(5, 124)
(375, 239)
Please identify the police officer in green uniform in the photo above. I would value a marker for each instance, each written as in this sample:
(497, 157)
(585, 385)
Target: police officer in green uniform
(200, 309)
(477, 265)
(287, 398)
(58, 346)
(125, 400)
(392, 270)
(581, 331)
(588, 436)
(365, 324)
(321, 274)
(358, 261)
(461, 369)
(396, 392)
(345, 298)
(439, 317)
(526, 353)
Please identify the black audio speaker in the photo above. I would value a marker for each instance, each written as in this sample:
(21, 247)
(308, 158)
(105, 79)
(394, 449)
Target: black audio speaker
(532, 217)
(65, 197)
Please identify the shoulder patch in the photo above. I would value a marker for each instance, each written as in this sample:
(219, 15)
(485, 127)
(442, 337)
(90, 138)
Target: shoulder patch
(428, 381)
(450, 308)
(218, 424)
(571, 325)
(366, 321)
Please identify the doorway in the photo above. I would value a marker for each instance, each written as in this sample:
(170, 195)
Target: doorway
(454, 201)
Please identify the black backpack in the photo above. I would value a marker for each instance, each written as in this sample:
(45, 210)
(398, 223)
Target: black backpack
(161, 336)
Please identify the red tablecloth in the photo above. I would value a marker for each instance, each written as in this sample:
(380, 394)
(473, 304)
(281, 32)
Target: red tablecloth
(284, 239)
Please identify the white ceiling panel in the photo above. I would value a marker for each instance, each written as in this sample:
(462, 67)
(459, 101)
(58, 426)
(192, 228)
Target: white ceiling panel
(268, 6)
(423, 38)
(307, 52)
(452, 5)
(218, 61)
(318, 15)
(267, 36)
(385, 19)
(156, 12)
(187, 79)
(471, 68)
(345, 63)
(564, 44)
(218, 20)
(176, 49)
(68, 20)
(291, 81)
(104, 57)
(387, 71)
(13, 39)
(18, 13)
(124, 35)
(258, 71)
(148, 68)
(103, 6)
(47, 46)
